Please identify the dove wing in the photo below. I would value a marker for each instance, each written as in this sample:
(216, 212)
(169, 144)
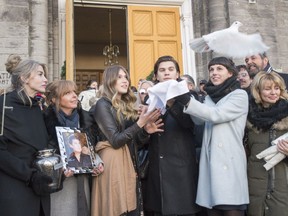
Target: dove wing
(234, 44)
(202, 44)
(199, 45)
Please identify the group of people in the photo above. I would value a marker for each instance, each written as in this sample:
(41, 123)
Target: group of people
(227, 179)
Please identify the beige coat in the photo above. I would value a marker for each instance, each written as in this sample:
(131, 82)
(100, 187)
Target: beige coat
(114, 191)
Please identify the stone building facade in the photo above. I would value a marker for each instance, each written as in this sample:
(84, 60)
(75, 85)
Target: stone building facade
(269, 18)
(33, 29)
(30, 29)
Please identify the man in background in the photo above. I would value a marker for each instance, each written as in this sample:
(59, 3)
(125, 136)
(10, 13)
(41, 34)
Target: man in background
(260, 62)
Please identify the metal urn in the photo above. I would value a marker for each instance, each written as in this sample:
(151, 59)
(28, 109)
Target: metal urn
(50, 164)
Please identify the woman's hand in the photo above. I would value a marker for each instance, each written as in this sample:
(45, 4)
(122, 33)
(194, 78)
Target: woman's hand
(282, 146)
(98, 170)
(153, 127)
(145, 117)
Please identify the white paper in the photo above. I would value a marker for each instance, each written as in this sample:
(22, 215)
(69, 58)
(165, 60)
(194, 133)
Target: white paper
(268, 157)
(284, 136)
(160, 93)
(268, 151)
(274, 160)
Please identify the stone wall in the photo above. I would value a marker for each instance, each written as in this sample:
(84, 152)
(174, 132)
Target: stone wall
(30, 29)
(269, 18)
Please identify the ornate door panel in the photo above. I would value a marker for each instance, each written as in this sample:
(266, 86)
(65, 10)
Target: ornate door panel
(82, 77)
(152, 32)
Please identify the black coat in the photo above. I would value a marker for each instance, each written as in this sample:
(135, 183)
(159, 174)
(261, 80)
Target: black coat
(172, 176)
(24, 134)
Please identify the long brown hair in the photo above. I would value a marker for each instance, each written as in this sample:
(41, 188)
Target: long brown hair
(126, 104)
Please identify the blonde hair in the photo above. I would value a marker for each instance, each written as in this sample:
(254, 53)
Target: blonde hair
(20, 71)
(56, 89)
(12, 61)
(124, 106)
(259, 81)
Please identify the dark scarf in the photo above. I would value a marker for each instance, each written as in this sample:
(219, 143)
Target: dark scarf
(73, 121)
(218, 92)
(68, 120)
(263, 118)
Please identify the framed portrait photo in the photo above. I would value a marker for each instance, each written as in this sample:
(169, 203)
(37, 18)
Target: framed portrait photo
(76, 150)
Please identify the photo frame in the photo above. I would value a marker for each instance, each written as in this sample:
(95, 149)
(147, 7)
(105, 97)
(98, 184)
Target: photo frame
(76, 150)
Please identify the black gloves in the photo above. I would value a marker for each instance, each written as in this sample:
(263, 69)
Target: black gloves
(183, 99)
(40, 183)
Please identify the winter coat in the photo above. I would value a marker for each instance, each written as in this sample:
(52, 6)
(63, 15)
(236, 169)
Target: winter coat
(24, 134)
(114, 192)
(268, 190)
(172, 175)
(222, 171)
(64, 202)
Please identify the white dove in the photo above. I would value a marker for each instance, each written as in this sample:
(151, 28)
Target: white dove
(230, 42)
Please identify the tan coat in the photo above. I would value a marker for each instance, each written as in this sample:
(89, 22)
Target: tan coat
(114, 191)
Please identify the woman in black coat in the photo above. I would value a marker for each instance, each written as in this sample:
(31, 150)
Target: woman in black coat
(23, 190)
(64, 111)
(172, 176)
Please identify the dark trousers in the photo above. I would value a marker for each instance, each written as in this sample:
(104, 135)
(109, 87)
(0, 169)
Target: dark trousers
(159, 214)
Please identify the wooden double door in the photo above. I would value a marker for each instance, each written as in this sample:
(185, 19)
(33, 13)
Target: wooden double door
(151, 32)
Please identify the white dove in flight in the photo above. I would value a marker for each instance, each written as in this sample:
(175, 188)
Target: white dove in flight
(230, 43)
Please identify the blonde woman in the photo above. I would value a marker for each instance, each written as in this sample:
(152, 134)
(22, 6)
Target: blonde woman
(63, 110)
(24, 190)
(267, 120)
(117, 190)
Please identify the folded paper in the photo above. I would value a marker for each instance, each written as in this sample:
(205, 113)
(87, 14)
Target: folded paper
(271, 155)
(160, 93)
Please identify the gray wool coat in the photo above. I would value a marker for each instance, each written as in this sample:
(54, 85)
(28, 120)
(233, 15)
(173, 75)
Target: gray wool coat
(222, 172)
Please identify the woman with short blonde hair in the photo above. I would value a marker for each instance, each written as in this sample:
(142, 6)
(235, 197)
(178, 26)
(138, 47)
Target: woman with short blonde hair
(267, 120)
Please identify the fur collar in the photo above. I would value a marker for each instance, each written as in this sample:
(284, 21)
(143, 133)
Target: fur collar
(280, 125)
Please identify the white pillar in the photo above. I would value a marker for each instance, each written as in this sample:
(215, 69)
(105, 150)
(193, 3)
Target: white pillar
(38, 49)
(189, 64)
(62, 35)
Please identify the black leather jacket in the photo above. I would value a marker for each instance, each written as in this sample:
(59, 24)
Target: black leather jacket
(118, 134)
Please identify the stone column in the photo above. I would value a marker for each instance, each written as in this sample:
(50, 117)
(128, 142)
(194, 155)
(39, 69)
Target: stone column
(187, 34)
(38, 31)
